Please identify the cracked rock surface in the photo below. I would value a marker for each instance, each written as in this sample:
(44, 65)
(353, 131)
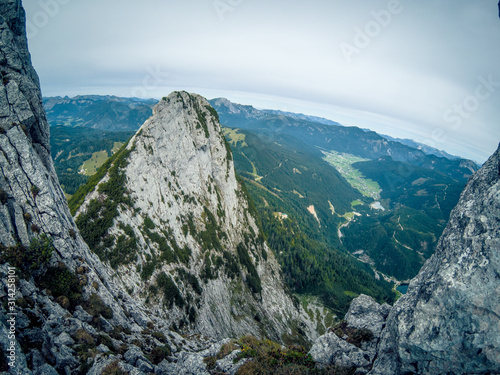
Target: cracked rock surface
(180, 177)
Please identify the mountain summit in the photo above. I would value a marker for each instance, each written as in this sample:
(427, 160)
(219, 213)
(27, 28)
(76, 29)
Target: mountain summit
(177, 230)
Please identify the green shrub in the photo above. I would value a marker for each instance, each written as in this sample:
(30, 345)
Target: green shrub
(270, 358)
(95, 306)
(170, 291)
(148, 223)
(63, 282)
(232, 269)
(35, 190)
(213, 112)
(113, 369)
(210, 361)
(210, 236)
(105, 340)
(166, 253)
(124, 252)
(147, 270)
(33, 258)
(206, 272)
(159, 336)
(226, 349)
(191, 314)
(83, 337)
(253, 279)
(99, 216)
(190, 279)
(3, 197)
(159, 353)
(202, 119)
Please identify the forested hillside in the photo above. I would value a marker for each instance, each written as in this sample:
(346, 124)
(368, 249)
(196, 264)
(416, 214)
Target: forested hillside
(78, 152)
(302, 200)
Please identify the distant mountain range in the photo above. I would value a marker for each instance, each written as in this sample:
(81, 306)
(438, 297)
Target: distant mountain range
(352, 140)
(385, 202)
(108, 113)
(112, 113)
(420, 146)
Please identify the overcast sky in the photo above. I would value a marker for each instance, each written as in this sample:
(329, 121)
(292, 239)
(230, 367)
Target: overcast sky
(427, 70)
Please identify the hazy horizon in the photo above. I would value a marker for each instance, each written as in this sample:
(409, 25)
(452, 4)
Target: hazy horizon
(423, 71)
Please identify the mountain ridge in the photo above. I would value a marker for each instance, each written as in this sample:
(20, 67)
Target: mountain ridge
(107, 113)
(368, 144)
(65, 299)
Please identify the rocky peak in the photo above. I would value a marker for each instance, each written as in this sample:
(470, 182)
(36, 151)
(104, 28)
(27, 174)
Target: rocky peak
(76, 314)
(177, 230)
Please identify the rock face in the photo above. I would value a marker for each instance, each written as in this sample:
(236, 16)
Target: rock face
(37, 232)
(449, 321)
(195, 253)
(353, 344)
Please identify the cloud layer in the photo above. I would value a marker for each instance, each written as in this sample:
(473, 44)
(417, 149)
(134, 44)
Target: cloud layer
(405, 68)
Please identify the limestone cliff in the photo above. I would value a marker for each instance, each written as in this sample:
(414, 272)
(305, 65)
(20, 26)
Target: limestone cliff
(38, 237)
(177, 230)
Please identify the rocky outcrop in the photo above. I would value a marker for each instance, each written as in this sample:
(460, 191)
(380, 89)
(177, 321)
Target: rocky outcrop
(449, 320)
(195, 255)
(353, 342)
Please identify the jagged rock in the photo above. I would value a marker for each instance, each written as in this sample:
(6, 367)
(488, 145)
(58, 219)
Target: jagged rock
(448, 322)
(187, 364)
(366, 313)
(144, 366)
(32, 204)
(46, 369)
(101, 362)
(227, 366)
(363, 314)
(64, 357)
(64, 339)
(133, 355)
(82, 315)
(330, 349)
(5, 342)
(37, 358)
(102, 348)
